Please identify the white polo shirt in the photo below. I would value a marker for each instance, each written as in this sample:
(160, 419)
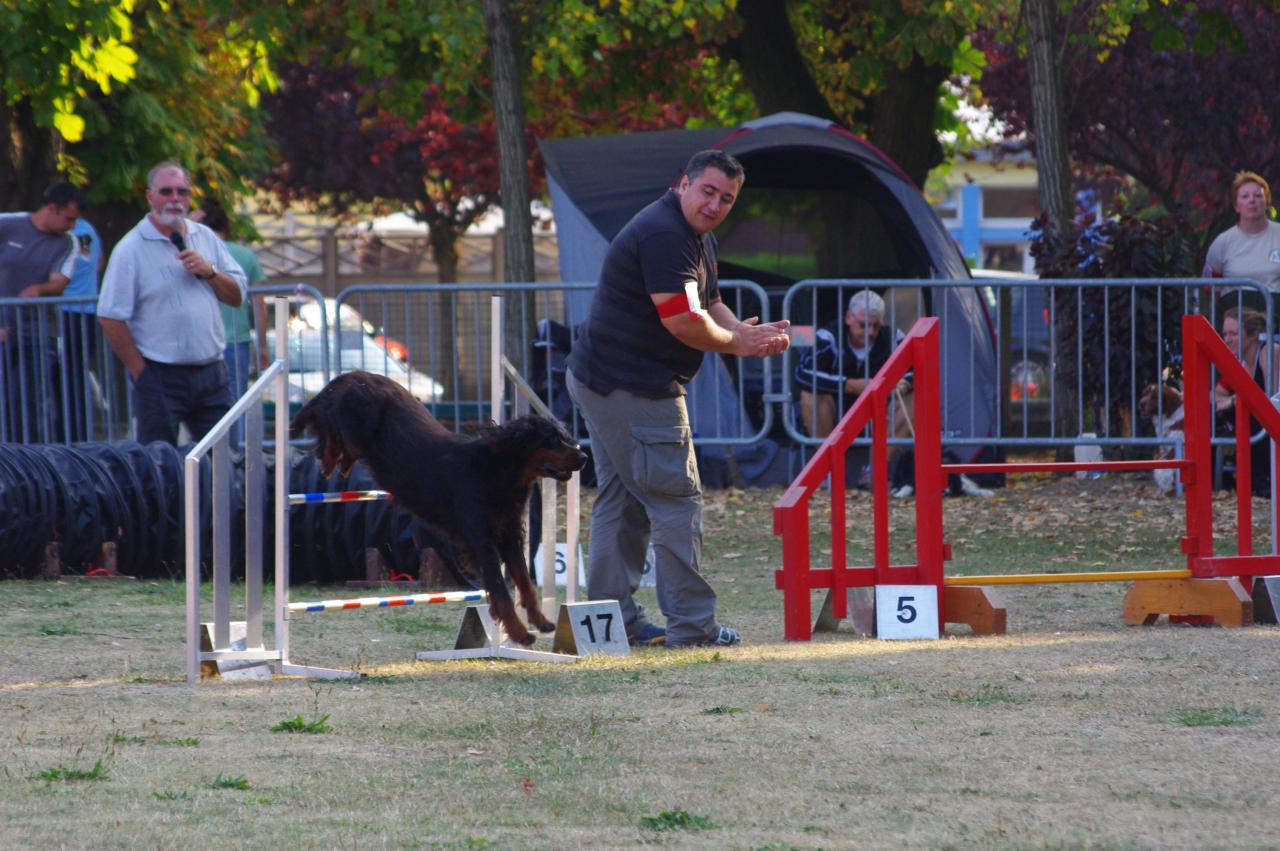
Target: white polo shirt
(1236, 254)
(172, 315)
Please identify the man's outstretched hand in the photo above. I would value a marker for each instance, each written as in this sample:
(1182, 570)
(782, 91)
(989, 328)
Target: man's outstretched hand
(756, 340)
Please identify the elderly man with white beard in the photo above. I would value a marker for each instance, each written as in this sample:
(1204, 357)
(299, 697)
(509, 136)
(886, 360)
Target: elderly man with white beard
(159, 310)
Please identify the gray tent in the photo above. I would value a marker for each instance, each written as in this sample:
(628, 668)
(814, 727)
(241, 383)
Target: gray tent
(818, 203)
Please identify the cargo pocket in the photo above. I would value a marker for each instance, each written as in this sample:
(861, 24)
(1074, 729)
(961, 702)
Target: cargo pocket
(661, 460)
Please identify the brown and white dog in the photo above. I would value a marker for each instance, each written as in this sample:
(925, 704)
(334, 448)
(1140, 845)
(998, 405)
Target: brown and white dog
(1162, 404)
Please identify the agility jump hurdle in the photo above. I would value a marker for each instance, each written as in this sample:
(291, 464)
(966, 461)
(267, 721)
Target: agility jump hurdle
(249, 649)
(478, 636)
(1209, 585)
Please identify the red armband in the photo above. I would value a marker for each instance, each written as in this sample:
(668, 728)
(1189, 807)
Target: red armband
(674, 306)
(685, 302)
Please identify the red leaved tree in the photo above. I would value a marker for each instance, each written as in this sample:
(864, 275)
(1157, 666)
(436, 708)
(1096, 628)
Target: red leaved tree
(1180, 114)
(338, 150)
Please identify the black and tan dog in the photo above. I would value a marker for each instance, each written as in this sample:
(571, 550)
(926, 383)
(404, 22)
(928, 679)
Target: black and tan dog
(473, 488)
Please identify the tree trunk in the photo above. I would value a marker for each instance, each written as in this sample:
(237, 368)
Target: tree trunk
(113, 219)
(900, 117)
(444, 250)
(1048, 120)
(772, 66)
(441, 335)
(513, 153)
(1053, 181)
(28, 166)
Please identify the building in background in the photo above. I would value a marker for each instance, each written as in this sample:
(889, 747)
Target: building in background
(989, 204)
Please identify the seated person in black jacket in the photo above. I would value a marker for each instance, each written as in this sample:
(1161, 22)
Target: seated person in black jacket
(833, 374)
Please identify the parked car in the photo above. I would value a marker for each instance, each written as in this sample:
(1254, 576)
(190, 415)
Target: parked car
(1027, 356)
(349, 319)
(1029, 330)
(348, 350)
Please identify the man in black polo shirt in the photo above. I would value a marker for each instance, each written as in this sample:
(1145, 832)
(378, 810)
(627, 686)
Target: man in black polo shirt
(656, 310)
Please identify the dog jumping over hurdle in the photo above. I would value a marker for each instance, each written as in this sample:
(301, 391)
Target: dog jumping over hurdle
(473, 488)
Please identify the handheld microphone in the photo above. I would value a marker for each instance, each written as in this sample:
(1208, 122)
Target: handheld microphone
(177, 240)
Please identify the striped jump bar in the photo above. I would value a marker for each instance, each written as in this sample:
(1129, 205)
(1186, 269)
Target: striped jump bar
(337, 496)
(384, 602)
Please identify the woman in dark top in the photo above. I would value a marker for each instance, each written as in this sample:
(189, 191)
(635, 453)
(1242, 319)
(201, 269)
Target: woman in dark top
(1242, 332)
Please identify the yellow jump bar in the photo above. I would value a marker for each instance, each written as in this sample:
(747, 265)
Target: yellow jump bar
(1054, 578)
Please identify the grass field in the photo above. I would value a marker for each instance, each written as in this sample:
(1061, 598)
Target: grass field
(1072, 731)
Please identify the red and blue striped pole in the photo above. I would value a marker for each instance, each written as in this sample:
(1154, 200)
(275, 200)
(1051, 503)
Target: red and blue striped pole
(384, 602)
(337, 496)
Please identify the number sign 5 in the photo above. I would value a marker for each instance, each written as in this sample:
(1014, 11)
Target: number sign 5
(906, 611)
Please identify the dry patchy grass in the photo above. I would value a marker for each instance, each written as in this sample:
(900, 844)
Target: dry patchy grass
(1072, 731)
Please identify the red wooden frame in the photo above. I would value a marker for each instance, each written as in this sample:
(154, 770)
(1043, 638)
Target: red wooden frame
(919, 353)
(1202, 348)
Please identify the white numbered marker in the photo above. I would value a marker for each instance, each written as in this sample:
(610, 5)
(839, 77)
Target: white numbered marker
(562, 561)
(594, 627)
(906, 611)
(649, 578)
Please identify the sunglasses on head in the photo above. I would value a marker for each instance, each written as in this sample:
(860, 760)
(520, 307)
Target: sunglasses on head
(180, 191)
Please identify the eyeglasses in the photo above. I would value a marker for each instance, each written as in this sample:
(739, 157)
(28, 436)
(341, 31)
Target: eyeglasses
(180, 191)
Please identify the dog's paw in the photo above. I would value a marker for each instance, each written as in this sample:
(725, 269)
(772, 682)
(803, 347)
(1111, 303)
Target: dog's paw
(972, 488)
(526, 639)
(539, 621)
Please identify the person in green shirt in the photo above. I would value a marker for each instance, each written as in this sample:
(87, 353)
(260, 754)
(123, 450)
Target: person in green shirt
(248, 321)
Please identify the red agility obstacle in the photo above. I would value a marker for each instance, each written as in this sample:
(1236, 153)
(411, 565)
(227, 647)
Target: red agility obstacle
(1209, 585)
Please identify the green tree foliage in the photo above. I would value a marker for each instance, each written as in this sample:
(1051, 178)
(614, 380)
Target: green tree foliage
(52, 57)
(878, 67)
(102, 90)
(339, 152)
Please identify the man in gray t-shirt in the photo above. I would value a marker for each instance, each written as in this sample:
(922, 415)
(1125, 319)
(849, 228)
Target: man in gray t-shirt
(37, 256)
(159, 311)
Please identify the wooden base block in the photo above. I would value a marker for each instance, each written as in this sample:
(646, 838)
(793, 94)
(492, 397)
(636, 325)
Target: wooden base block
(434, 574)
(977, 606)
(104, 567)
(1225, 600)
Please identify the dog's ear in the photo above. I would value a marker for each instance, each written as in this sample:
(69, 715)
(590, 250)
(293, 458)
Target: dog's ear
(304, 418)
(359, 417)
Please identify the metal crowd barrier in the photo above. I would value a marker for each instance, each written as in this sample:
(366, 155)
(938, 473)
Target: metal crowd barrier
(1026, 362)
(59, 380)
(442, 330)
(1069, 361)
